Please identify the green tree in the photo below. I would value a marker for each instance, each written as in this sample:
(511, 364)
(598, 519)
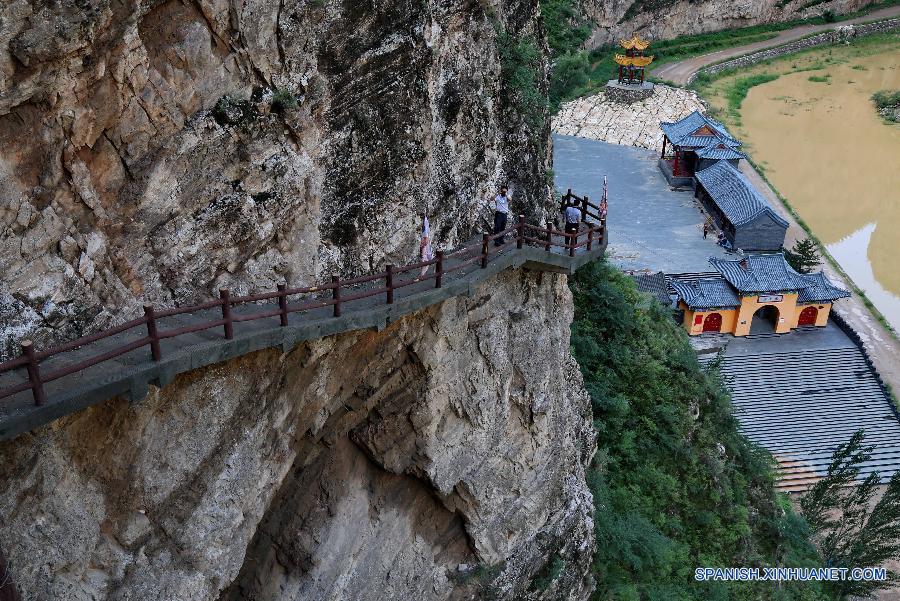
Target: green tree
(675, 484)
(852, 531)
(569, 72)
(804, 256)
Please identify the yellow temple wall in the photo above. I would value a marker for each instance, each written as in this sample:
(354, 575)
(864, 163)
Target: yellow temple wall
(729, 318)
(738, 321)
(787, 312)
(821, 317)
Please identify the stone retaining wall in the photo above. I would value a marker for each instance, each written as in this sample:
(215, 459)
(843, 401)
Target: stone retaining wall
(843, 33)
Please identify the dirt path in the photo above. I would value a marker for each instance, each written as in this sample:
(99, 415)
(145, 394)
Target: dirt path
(681, 71)
(883, 348)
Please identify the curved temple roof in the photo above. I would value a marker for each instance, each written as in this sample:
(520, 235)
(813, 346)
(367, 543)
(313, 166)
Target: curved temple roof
(698, 131)
(634, 43)
(719, 152)
(771, 273)
(706, 293)
(633, 61)
(735, 195)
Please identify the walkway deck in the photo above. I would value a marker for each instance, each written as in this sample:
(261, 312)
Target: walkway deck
(657, 229)
(800, 395)
(131, 374)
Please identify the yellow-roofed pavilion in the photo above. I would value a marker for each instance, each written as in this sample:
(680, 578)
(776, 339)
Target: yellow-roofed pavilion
(633, 62)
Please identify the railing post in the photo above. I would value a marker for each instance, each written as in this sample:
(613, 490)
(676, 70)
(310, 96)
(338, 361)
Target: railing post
(574, 241)
(590, 238)
(336, 294)
(549, 236)
(152, 332)
(439, 269)
(389, 278)
(584, 208)
(520, 232)
(226, 312)
(485, 247)
(283, 304)
(34, 373)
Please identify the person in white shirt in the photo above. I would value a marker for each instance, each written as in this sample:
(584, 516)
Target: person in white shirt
(501, 213)
(573, 219)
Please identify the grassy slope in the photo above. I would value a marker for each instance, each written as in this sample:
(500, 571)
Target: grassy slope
(579, 73)
(675, 485)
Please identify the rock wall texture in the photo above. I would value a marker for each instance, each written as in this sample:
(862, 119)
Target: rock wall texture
(665, 19)
(600, 117)
(153, 151)
(442, 458)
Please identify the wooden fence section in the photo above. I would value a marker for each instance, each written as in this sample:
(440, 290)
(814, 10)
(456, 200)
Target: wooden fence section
(589, 211)
(337, 294)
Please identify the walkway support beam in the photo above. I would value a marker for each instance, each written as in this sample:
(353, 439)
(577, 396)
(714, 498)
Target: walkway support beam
(152, 332)
(34, 373)
(225, 297)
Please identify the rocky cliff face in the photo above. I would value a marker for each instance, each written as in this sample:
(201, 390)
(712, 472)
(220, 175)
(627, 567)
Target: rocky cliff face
(153, 151)
(665, 19)
(364, 466)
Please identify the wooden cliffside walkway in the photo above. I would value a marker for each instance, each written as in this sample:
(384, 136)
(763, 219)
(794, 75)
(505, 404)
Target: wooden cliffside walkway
(41, 386)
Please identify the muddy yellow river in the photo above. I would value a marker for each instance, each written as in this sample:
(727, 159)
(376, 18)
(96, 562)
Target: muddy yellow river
(824, 148)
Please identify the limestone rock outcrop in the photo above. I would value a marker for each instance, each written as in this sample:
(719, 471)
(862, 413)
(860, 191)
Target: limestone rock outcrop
(154, 151)
(632, 124)
(442, 458)
(666, 19)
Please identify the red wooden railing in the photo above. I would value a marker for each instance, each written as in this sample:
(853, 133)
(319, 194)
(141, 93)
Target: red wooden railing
(587, 208)
(342, 292)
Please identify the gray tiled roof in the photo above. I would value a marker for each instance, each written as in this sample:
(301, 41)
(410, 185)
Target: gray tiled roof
(760, 273)
(735, 195)
(820, 290)
(654, 284)
(680, 132)
(706, 293)
(719, 151)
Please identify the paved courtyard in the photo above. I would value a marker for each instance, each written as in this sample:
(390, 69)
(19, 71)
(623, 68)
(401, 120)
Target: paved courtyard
(651, 227)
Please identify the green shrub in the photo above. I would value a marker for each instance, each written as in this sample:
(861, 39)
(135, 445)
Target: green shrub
(819, 78)
(521, 63)
(675, 485)
(283, 99)
(232, 110)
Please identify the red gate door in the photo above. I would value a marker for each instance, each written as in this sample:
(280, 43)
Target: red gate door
(808, 316)
(713, 323)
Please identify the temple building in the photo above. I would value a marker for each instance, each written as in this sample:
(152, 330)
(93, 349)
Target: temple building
(754, 295)
(633, 62)
(693, 143)
(738, 209)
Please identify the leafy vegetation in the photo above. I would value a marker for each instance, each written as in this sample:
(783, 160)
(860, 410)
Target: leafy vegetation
(521, 63)
(888, 104)
(738, 90)
(803, 256)
(675, 484)
(577, 72)
(820, 78)
(852, 529)
(283, 99)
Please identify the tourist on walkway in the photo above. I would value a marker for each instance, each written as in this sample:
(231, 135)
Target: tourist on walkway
(501, 214)
(425, 251)
(573, 219)
(603, 207)
(705, 229)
